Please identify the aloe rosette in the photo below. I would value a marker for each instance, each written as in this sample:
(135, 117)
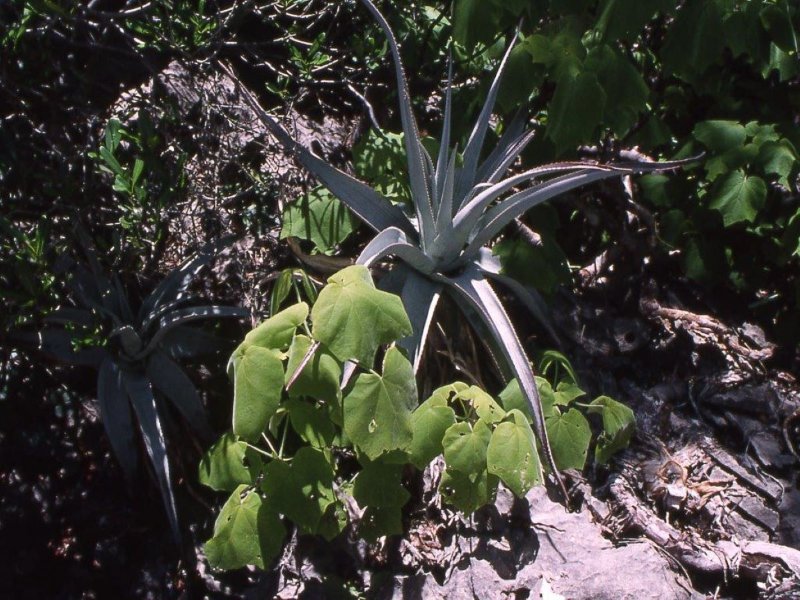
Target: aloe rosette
(457, 212)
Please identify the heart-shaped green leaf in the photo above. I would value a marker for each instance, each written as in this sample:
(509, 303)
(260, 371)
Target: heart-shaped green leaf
(320, 218)
(512, 454)
(464, 446)
(228, 464)
(379, 485)
(247, 532)
(302, 490)
(258, 383)
(569, 435)
(468, 492)
(618, 427)
(377, 408)
(738, 197)
(429, 422)
(352, 318)
(277, 332)
(320, 378)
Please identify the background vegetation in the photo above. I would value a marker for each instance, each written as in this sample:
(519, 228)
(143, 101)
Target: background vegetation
(602, 80)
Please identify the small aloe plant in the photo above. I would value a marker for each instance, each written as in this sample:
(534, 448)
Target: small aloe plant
(137, 359)
(457, 212)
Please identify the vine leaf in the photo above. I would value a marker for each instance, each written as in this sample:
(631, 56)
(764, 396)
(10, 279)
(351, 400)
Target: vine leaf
(570, 436)
(429, 422)
(258, 383)
(247, 532)
(465, 447)
(277, 332)
(377, 408)
(468, 492)
(618, 426)
(512, 454)
(320, 378)
(320, 218)
(228, 464)
(352, 318)
(738, 197)
(379, 485)
(302, 490)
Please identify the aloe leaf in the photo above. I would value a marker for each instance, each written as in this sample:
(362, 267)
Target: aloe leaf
(144, 405)
(513, 135)
(444, 144)
(472, 286)
(474, 145)
(176, 282)
(371, 207)
(416, 162)
(444, 217)
(169, 379)
(57, 343)
(68, 314)
(469, 214)
(420, 297)
(394, 241)
(184, 341)
(529, 297)
(187, 315)
(500, 215)
(115, 413)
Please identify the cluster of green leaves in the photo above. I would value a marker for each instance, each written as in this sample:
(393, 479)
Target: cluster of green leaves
(299, 421)
(145, 182)
(674, 78)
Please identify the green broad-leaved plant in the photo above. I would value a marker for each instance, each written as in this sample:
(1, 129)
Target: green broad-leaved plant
(319, 449)
(457, 211)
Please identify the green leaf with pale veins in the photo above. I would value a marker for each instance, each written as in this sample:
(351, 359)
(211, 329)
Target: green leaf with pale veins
(512, 454)
(377, 408)
(566, 392)
(429, 422)
(247, 532)
(320, 377)
(380, 485)
(319, 217)
(302, 490)
(465, 446)
(625, 89)
(229, 463)
(258, 384)
(352, 318)
(618, 427)
(277, 332)
(569, 435)
(738, 197)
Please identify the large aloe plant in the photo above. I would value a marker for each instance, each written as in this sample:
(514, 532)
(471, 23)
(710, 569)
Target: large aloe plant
(136, 359)
(457, 212)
